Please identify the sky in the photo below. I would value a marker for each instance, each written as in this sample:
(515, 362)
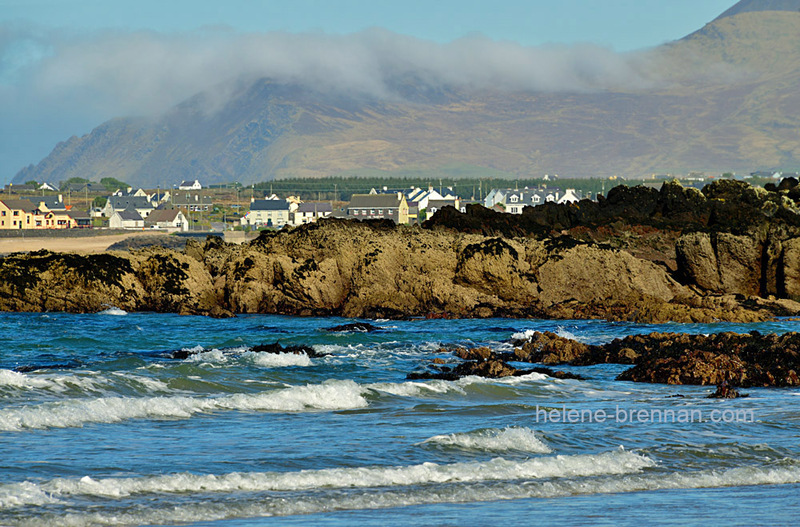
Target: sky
(66, 66)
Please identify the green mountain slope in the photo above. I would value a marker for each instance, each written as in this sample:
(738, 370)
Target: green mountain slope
(724, 98)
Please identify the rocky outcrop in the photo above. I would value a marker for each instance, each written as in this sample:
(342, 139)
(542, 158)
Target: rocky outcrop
(729, 253)
(740, 360)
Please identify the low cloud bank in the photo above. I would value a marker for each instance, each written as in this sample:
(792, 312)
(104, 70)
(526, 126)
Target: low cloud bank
(146, 72)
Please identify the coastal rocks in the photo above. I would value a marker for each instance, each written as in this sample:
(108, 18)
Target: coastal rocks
(725, 391)
(740, 360)
(549, 348)
(173, 282)
(46, 281)
(673, 358)
(294, 349)
(481, 362)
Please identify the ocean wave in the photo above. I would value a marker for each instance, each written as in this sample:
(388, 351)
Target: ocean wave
(114, 311)
(460, 386)
(277, 360)
(53, 383)
(518, 439)
(332, 395)
(627, 477)
(498, 469)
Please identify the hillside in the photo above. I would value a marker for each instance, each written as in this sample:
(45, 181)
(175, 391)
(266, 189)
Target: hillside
(723, 98)
(751, 6)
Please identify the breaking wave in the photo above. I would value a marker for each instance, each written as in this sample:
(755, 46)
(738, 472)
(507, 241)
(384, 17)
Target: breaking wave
(333, 395)
(114, 311)
(498, 469)
(626, 475)
(493, 440)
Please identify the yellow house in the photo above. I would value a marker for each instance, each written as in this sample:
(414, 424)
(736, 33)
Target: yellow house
(22, 214)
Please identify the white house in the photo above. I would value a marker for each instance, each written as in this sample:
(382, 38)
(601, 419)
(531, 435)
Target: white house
(126, 219)
(570, 196)
(267, 213)
(188, 185)
(310, 212)
(140, 204)
(167, 219)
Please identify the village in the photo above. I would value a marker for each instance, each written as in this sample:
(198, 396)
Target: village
(192, 207)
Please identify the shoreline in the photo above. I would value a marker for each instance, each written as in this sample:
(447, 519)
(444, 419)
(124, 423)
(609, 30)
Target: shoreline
(89, 244)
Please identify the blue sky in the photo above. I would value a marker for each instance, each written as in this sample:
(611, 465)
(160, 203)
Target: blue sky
(68, 65)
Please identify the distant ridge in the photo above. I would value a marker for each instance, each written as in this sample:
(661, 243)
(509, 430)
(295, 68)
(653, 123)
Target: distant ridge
(723, 99)
(749, 6)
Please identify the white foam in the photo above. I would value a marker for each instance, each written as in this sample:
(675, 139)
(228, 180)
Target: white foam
(265, 505)
(524, 335)
(15, 379)
(25, 493)
(333, 395)
(213, 356)
(498, 469)
(277, 360)
(45, 381)
(114, 311)
(493, 440)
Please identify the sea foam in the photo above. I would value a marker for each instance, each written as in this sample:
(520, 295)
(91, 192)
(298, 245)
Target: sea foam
(498, 469)
(333, 395)
(518, 439)
(627, 479)
(114, 311)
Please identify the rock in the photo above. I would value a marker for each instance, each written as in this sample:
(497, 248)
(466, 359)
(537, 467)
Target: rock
(549, 348)
(725, 391)
(277, 348)
(363, 327)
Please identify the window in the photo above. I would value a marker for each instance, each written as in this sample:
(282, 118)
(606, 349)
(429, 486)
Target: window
(380, 211)
(355, 212)
(372, 211)
(16, 213)
(4, 213)
(514, 198)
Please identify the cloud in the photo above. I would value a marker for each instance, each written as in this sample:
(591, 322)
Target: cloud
(146, 72)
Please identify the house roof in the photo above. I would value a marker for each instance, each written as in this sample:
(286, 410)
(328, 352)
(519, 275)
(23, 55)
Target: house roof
(19, 204)
(129, 215)
(51, 202)
(385, 201)
(78, 214)
(163, 215)
(439, 203)
(124, 202)
(269, 204)
(315, 207)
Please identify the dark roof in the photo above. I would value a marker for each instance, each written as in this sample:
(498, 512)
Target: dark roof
(384, 201)
(124, 202)
(269, 204)
(439, 203)
(51, 202)
(78, 214)
(129, 215)
(315, 207)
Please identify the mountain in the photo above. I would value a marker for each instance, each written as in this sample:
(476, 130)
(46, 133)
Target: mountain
(750, 6)
(721, 99)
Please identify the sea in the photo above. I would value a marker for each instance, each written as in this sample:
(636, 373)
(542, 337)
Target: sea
(101, 425)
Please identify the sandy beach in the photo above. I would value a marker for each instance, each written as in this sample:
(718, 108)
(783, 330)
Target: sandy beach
(85, 245)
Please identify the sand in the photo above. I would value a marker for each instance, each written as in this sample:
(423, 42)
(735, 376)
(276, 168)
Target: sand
(85, 245)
